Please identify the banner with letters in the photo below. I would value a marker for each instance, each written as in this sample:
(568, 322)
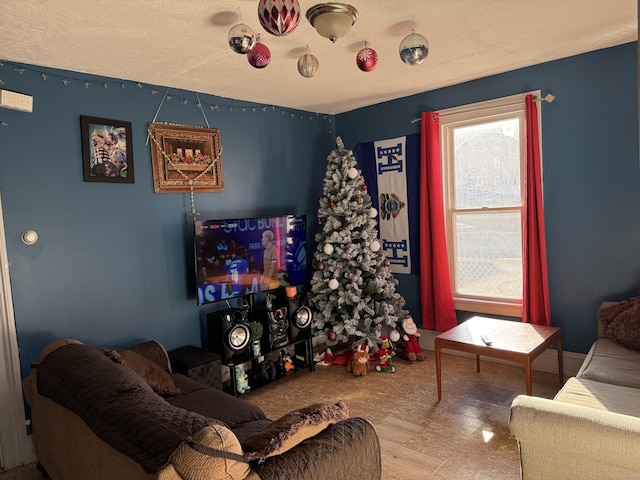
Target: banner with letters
(391, 170)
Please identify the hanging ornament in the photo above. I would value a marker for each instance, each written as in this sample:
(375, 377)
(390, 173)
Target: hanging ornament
(386, 262)
(328, 249)
(367, 59)
(259, 56)
(360, 200)
(375, 246)
(320, 266)
(332, 203)
(373, 213)
(352, 173)
(332, 336)
(364, 187)
(319, 221)
(333, 284)
(308, 65)
(279, 17)
(241, 38)
(414, 49)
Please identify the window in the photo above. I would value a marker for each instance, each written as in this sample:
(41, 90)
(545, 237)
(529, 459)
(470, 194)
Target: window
(483, 168)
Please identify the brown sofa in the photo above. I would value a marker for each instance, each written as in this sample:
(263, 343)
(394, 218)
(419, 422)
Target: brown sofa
(110, 414)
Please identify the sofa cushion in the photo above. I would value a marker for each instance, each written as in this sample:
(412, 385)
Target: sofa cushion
(609, 362)
(293, 428)
(157, 378)
(624, 328)
(601, 396)
(191, 463)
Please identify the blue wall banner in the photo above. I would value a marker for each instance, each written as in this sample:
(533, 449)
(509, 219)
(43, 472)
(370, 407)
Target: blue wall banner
(391, 172)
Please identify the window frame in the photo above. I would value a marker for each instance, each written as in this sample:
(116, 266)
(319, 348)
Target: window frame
(475, 114)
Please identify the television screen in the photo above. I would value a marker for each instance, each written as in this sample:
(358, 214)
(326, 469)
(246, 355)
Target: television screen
(249, 255)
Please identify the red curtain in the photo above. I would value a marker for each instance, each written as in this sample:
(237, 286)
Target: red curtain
(535, 294)
(438, 312)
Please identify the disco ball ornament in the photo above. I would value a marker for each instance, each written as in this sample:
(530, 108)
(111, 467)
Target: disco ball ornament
(367, 59)
(259, 56)
(279, 17)
(308, 65)
(414, 49)
(241, 38)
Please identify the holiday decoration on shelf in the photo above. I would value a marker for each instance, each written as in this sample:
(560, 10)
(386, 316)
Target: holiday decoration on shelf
(353, 292)
(408, 342)
(385, 352)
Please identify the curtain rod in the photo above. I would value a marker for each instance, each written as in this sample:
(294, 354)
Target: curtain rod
(547, 98)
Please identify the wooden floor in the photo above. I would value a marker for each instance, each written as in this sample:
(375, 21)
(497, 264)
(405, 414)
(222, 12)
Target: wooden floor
(465, 436)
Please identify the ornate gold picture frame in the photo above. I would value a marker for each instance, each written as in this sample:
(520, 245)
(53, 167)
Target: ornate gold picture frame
(185, 158)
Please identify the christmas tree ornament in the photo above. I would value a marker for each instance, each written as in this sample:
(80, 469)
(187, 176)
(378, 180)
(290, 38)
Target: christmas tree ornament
(375, 246)
(364, 187)
(332, 336)
(373, 213)
(333, 284)
(308, 65)
(320, 266)
(332, 204)
(242, 39)
(414, 49)
(328, 249)
(367, 59)
(352, 173)
(279, 17)
(259, 56)
(360, 200)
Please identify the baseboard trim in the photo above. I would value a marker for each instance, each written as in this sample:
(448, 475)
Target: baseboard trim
(547, 361)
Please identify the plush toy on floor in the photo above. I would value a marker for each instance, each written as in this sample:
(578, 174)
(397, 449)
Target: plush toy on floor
(242, 380)
(359, 362)
(385, 352)
(408, 344)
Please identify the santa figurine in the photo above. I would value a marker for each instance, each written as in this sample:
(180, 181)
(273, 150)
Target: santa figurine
(410, 340)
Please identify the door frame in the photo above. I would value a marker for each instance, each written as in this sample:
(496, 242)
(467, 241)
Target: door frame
(16, 447)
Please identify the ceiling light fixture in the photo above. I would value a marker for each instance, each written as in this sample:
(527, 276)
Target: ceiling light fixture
(332, 20)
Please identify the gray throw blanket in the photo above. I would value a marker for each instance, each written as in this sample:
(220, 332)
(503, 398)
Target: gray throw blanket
(117, 404)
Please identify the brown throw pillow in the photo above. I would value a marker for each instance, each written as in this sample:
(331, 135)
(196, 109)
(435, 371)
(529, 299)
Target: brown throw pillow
(154, 375)
(293, 428)
(190, 463)
(610, 310)
(624, 328)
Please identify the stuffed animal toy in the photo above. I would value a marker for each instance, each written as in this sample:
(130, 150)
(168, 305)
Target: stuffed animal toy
(359, 362)
(242, 380)
(408, 344)
(385, 352)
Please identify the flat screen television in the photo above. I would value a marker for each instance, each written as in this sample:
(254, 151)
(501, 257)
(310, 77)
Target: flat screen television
(243, 256)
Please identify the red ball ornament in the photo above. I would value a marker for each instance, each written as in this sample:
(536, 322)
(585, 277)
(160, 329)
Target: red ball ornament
(320, 266)
(367, 59)
(279, 17)
(332, 336)
(259, 56)
(364, 187)
(332, 204)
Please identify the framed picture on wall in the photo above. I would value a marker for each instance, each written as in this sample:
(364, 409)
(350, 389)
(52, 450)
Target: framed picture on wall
(107, 150)
(185, 158)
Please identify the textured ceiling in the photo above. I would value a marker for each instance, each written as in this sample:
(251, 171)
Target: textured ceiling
(183, 44)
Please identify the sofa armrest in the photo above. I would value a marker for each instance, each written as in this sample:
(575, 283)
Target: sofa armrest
(559, 440)
(347, 450)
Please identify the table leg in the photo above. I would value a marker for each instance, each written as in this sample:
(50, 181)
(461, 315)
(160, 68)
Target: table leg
(477, 363)
(560, 360)
(438, 368)
(527, 375)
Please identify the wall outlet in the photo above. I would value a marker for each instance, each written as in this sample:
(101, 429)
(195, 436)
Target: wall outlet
(16, 101)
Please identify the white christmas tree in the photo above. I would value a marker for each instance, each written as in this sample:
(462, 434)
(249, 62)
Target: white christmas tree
(353, 291)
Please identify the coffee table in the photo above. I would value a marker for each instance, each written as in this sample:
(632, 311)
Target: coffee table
(512, 341)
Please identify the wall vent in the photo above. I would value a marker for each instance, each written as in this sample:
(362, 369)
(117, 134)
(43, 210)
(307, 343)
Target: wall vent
(16, 101)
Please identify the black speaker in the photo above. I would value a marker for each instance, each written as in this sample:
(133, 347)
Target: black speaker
(229, 335)
(300, 318)
(276, 326)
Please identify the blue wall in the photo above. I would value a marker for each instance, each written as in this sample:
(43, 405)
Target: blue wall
(114, 262)
(591, 174)
(113, 265)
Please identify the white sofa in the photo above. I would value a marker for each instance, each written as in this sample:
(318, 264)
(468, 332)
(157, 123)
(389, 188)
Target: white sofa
(591, 429)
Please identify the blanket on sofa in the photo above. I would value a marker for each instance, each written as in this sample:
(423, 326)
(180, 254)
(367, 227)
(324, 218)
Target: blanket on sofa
(85, 381)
